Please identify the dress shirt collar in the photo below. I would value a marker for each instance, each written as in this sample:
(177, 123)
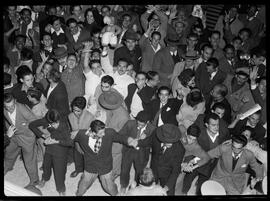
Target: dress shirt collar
(213, 139)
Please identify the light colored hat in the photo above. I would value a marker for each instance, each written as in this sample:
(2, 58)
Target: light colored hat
(212, 187)
(110, 100)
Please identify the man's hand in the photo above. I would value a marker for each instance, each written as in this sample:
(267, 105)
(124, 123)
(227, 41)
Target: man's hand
(165, 189)
(87, 46)
(43, 56)
(50, 140)
(132, 142)
(187, 167)
(11, 131)
(31, 33)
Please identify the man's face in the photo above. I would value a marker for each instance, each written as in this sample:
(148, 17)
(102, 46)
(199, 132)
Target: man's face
(122, 67)
(244, 35)
(140, 124)
(126, 21)
(210, 69)
(20, 43)
(215, 93)
(46, 69)
(96, 38)
(62, 61)
(191, 139)
(198, 31)
(247, 133)
(105, 12)
(105, 87)
(214, 40)
(237, 148)
(207, 53)
(220, 112)
(155, 40)
(10, 107)
(71, 61)
(28, 80)
(55, 125)
(95, 56)
(140, 80)
(73, 27)
(101, 133)
(189, 63)
(77, 111)
(26, 16)
(254, 119)
(52, 11)
(229, 53)
(163, 96)
(47, 41)
(130, 44)
(179, 28)
(262, 86)
(155, 80)
(257, 60)
(192, 41)
(232, 13)
(241, 79)
(96, 68)
(77, 10)
(56, 25)
(213, 126)
(237, 44)
(90, 17)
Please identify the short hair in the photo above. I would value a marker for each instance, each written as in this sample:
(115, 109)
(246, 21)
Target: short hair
(247, 128)
(194, 97)
(6, 61)
(124, 60)
(22, 71)
(72, 8)
(95, 31)
(71, 20)
(86, 11)
(54, 18)
(7, 79)
(54, 75)
(193, 35)
(72, 54)
(228, 46)
(163, 88)
(258, 52)
(25, 9)
(151, 74)
(34, 93)
(240, 72)
(47, 8)
(185, 76)
(95, 50)
(240, 139)
(219, 105)
(147, 177)
(107, 79)
(216, 32)
(246, 30)
(142, 73)
(96, 126)
(212, 62)
(126, 15)
(194, 130)
(206, 45)
(45, 33)
(20, 36)
(27, 53)
(52, 116)
(8, 97)
(155, 33)
(223, 89)
(93, 62)
(209, 116)
(79, 102)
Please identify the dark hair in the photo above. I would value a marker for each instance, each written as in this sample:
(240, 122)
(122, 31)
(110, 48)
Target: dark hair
(52, 116)
(247, 128)
(258, 52)
(54, 18)
(194, 97)
(194, 130)
(71, 20)
(79, 102)
(223, 89)
(25, 9)
(246, 30)
(86, 11)
(95, 31)
(240, 72)
(147, 177)
(151, 74)
(258, 80)
(72, 54)
(48, 8)
(126, 15)
(54, 75)
(93, 62)
(185, 76)
(107, 79)
(209, 116)
(259, 112)
(6, 61)
(7, 79)
(22, 71)
(193, 35)
(26, 53)
(219, 105)
(72, 8)
(124, 60)
(206, 45)
(20, 36)
(212, 62)
(95, 50)
(228, 46)
(45, 33)
(34, 93)
(237, 38)
(8, 97)
(240, 139)
(216, 32)
(96, 126)
(164, 88)
(155, 32)
(141, 73)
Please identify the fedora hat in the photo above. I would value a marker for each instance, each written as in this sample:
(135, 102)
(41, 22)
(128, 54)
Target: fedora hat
(191, 54)
(110, 100)
(60, 52)
(143, 116)
(172, 39)
(168, 133)
(131, 35)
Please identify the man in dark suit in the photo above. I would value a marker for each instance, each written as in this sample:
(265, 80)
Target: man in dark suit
(164, 109)
(211, 136)
(56, 93)
(207, 77)
(227, 63)
(139, 128)
(167, 155)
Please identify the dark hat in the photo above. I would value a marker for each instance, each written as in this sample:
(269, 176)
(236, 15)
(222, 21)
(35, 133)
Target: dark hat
(194, 130)
(172, 39)
(131, 35)
(192, 54)
(60, 52)
(110, 100)
(143, 116)
(168, 133)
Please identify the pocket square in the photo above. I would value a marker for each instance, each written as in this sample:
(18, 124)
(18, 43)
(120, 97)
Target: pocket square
(243, 166)
(168, 109)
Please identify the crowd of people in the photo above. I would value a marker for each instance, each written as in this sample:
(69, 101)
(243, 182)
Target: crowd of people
(110, 86)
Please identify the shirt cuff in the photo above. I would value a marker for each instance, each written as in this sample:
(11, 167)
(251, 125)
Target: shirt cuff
(253, 86)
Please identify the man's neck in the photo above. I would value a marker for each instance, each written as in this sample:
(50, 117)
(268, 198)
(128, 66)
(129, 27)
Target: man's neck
(53, 84)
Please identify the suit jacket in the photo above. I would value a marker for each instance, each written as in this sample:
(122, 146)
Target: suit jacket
(226, 67)
(58, 99)
(75, 46)
(168, 164)
(23, 117)
(233, 180)
(164, 64)
(168, 112)
(203, 141)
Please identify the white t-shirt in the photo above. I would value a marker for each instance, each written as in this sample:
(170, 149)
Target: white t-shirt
(122, 82)
(136, 104)
(91, 83)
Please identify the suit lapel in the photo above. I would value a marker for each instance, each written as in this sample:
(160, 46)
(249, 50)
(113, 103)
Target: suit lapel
(240, 162)
(169, 56)
(7, 118)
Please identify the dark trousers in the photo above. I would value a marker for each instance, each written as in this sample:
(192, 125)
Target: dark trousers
(78, 160)
(163, 181)
(129, 157)
(59, 166)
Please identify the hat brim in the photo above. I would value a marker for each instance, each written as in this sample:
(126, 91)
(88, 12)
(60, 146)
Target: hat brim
(172, 43)
(60, 56)
(164, 139)
(107, 106)
(191, 57)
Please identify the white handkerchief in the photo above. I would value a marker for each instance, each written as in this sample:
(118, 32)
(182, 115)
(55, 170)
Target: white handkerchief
(243, 166)
(168, 109)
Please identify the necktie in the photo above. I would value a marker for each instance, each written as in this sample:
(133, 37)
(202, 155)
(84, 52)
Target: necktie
(97, 145)
(163, 148)
(155, 121)
(235, 159)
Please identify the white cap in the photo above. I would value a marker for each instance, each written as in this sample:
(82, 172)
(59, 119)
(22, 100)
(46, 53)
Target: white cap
(212, 187)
